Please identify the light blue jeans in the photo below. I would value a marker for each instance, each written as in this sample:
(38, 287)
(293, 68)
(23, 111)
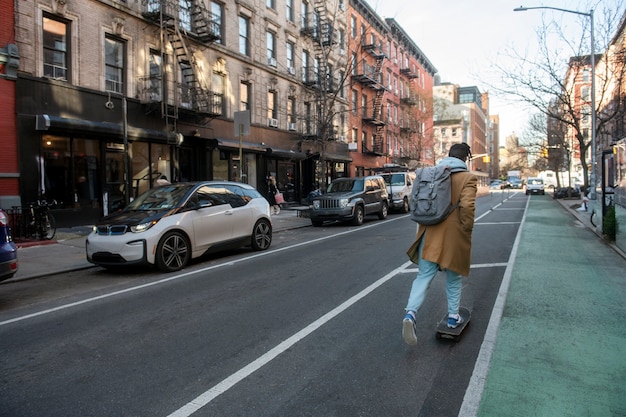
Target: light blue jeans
(421, 283)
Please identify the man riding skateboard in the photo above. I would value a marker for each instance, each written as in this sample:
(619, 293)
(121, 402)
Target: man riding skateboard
(444, 246)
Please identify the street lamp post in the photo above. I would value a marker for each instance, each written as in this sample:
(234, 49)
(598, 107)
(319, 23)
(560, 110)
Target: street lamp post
(592, 193)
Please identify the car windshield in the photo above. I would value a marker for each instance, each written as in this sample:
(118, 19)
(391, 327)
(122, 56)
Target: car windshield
(393, 179)
(345, 185)
(535, 181)
(159, 198)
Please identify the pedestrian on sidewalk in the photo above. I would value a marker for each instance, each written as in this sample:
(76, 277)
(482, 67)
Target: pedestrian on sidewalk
(444, 246)
(272, 190)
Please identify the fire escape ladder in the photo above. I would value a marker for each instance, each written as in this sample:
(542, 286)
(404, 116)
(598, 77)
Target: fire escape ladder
(193, 93)
(204, 27)
(379, 134)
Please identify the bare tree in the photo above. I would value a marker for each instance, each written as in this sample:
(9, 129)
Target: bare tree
(543, 82)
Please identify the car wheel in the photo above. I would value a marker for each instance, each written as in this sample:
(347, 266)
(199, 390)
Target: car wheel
(317, 223)
(405, 206)
(384, 211)
(359, 216)
(262, 235)
(173, 252)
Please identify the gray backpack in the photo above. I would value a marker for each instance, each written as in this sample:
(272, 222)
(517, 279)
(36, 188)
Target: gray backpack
(431, 200)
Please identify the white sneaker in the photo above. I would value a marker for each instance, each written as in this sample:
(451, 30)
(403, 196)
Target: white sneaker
(454, 321)
(409, 331)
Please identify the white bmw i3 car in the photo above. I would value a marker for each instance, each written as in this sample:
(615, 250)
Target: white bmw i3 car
(171, 224)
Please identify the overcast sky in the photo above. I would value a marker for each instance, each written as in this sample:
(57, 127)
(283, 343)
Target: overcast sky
(462, 37)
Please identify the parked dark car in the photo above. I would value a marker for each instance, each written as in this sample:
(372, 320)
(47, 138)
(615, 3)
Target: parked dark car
(8, 250)
(351, 199)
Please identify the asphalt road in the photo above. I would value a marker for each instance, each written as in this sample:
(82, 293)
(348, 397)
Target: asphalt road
(308, 328)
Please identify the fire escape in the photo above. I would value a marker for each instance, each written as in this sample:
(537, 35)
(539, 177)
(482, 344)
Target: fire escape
(371, 77)
(318, 77)
(410, 126)
(181, 24)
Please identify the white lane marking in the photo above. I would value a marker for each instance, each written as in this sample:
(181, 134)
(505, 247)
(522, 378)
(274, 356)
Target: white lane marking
(474, 392)
(179, 276)
(227, 383)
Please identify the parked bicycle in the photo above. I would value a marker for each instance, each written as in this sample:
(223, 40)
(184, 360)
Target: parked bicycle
(38, 222)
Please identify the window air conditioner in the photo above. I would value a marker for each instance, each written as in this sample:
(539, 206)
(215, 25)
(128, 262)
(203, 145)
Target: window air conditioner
(271, 62)
(292, 126)
(292, 70)
(273, 122)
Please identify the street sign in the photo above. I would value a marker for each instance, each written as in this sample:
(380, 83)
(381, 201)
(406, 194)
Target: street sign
(242, 123)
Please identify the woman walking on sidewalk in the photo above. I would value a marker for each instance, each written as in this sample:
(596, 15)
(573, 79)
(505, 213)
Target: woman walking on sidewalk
(271, 194)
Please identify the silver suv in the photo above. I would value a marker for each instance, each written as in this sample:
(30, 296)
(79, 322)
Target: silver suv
(351, 199)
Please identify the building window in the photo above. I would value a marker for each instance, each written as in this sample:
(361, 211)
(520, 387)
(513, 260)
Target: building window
(185, 86)
(55, 49)
(271, 48)
(291, 110)
(342, 84)
(290, 58)
(289, 10)
(271, 105)
(184, 14)
(364, 105)
(355, 104)
(342, 41)
(114, 64)
(216, 12)
(244, 96)
(244, 26)
(584, 93)
(305, 66)
(218, 88)
(270, 4)
(304, 15)
(156, 65)
(586, 114)
(353, 26)
(308, 125)
(586, 76)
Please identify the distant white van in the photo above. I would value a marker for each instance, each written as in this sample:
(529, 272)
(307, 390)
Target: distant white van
(399, 185)
(549, 179)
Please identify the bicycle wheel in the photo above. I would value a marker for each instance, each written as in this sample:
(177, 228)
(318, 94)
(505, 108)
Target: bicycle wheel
(48, 226)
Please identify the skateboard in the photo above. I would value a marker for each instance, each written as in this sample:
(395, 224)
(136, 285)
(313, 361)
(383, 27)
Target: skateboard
(443, 331)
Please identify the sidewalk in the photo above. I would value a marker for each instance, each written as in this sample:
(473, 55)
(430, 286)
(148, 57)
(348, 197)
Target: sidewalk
(66, 252)
(558, 349)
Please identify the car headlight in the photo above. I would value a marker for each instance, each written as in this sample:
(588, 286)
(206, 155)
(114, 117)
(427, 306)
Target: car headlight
(142, 227)
(344, 202)
(316, 204)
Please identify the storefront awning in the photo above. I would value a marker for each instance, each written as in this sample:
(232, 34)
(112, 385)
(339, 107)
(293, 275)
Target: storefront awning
(256, 147)
(56, 123)
(285, 153)
(234, 144)
(337, 157)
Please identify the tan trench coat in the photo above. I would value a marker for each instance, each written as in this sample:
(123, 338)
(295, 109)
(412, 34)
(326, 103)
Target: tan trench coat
(449, 243)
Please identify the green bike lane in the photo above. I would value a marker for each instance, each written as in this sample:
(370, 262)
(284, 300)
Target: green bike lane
(560, 348)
